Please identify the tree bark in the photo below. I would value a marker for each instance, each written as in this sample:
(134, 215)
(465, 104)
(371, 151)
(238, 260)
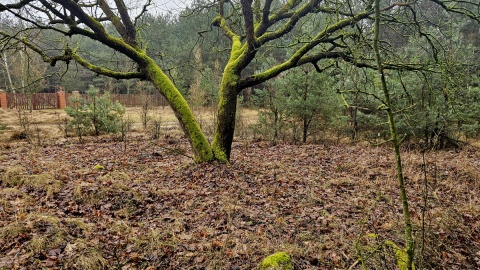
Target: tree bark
(201, 147)
(227, 107)
(409, 241)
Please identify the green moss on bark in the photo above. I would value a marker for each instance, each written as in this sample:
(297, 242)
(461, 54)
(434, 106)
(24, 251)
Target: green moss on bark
(223, 138)
(227, 106)
(400, 255)
(201, 147)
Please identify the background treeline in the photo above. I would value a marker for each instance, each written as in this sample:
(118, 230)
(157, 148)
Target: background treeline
(437, 100)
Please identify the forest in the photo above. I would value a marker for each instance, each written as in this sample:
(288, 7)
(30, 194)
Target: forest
(300, 134)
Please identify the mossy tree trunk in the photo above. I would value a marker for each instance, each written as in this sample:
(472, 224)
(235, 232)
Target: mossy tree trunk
(72, 13)
(200, 145)
(263, 23)
(241, 55)
(227, 107)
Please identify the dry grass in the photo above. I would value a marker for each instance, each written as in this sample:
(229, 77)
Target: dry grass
(17, 176)
(50, 124)
(82, 254)
(328, 206)
(47, 231)
(15, 202)
(14, 176)
(45, 182)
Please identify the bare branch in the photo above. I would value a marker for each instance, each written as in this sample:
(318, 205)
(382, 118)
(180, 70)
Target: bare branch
(131, 33)
(144, 10)
(121, 29)
(468, 11)
(17, 5)
(248, 17)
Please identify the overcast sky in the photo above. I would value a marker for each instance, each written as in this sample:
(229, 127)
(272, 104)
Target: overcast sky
(162, 6)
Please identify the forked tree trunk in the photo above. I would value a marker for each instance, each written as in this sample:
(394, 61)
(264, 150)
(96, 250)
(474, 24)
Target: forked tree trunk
(201, 147)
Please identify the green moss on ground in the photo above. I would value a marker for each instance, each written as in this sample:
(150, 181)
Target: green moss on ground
(277, 261)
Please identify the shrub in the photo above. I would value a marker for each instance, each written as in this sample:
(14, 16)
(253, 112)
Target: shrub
(95, 113)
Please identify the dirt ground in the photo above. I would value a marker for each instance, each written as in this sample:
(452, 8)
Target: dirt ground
(143, 204)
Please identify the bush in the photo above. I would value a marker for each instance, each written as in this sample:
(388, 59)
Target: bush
(97, 114)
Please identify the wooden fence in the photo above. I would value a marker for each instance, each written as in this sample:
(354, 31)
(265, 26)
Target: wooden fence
(60, 99)
(131, 100)
(37, 101)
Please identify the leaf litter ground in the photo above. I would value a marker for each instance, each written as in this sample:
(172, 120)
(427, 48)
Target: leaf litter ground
(150, 207)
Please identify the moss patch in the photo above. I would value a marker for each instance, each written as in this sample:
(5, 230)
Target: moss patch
(277, 261)
(98, 167)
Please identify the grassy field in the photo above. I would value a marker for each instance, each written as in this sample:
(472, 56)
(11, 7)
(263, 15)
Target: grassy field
(49, 124)
(143, 204)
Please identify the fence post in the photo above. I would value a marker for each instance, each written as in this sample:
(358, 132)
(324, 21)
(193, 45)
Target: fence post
(3, 99)
(76, 94)
(61, 100)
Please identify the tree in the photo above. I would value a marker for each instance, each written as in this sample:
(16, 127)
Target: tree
(298, 99)
(387, 106)
(22, 67)
(252, 27)
(80, 19)
(95, 112)
(434, 106)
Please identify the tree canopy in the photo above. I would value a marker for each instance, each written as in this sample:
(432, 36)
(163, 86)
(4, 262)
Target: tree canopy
(324, 34)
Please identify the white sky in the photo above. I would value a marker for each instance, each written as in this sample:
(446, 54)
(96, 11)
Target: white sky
(174, 6)
(158, 6)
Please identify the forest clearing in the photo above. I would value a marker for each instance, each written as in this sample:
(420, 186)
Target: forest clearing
(292, 134)
(143, 204)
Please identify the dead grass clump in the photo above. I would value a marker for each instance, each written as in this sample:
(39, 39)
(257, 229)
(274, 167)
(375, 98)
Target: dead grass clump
(51, 232)
(471, 174)
(14, 176)
(11, 231)
(156, 242)
(120, 198)
(14, 201)
(17, 176)
(156, 191)
(89, 193)
(44, 231)
(80, 190)
(14, 194)
(76, 227)
(84, 255)
(342, 182)
(120, 227)
(116, 177)
(44, 182)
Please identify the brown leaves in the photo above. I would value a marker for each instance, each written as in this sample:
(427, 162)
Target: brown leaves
(151, 208)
